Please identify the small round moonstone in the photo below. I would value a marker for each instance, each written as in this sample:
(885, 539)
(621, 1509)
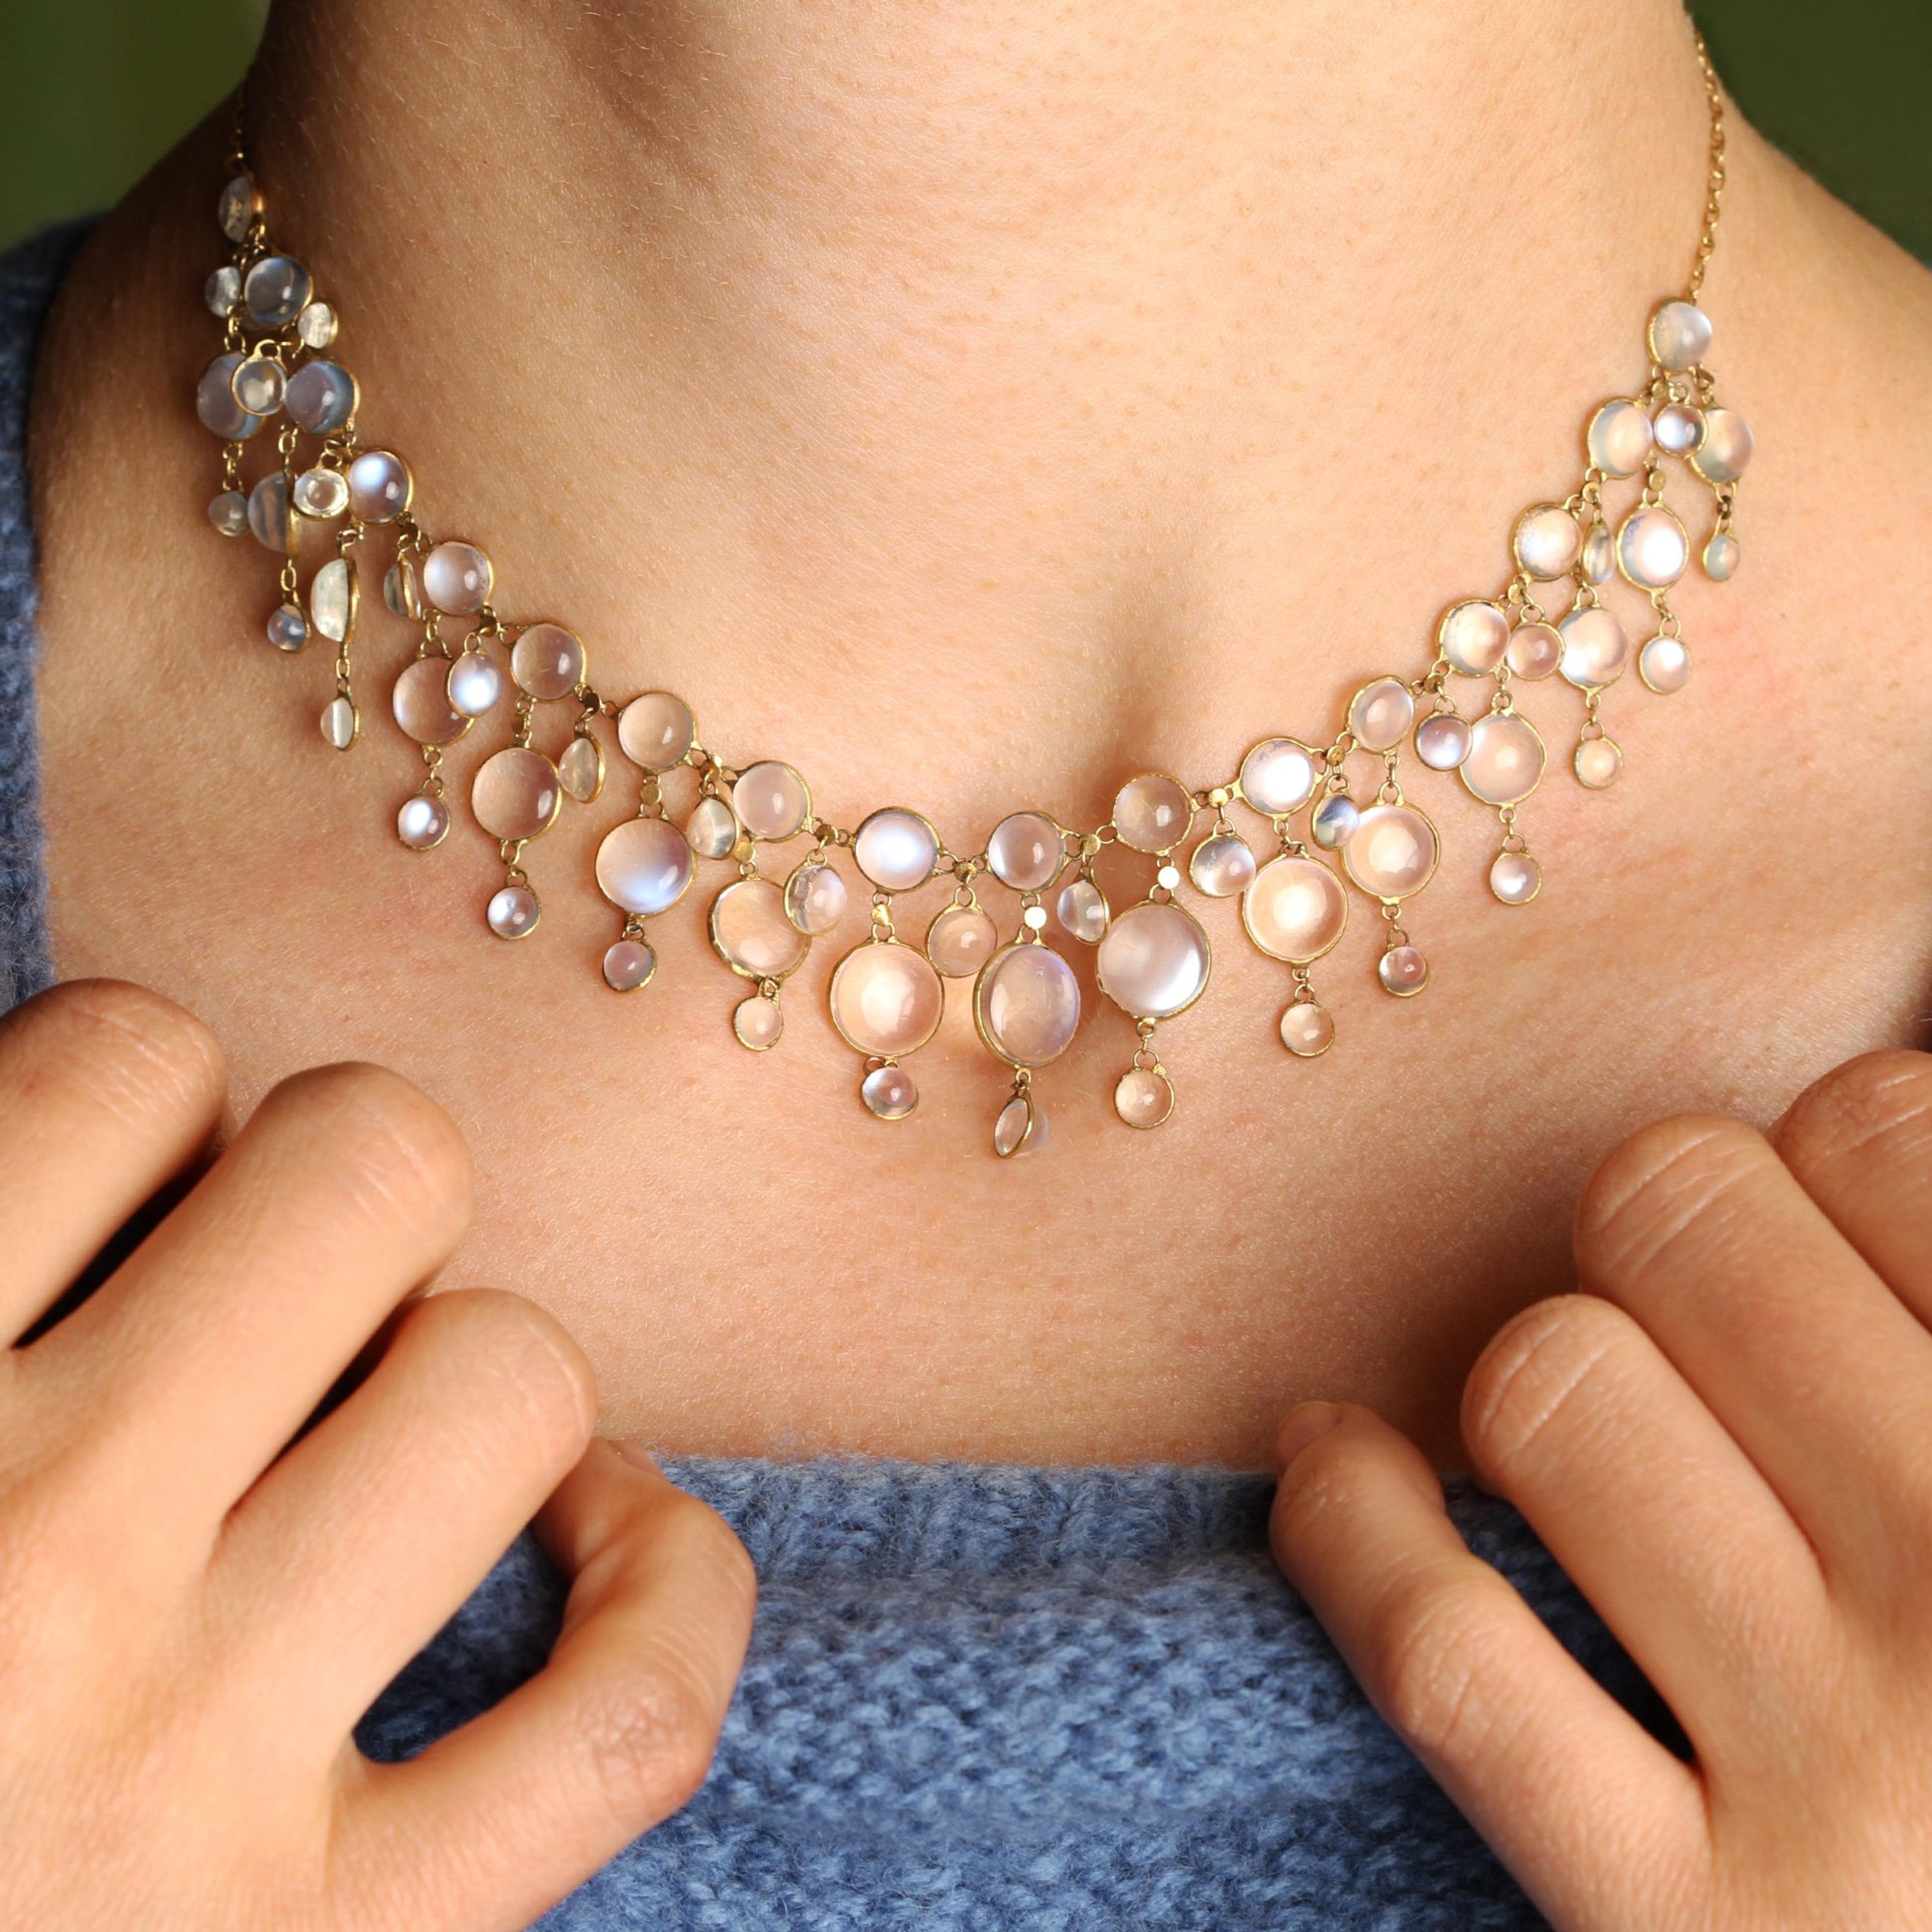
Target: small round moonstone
(1535, 650)
(1664, 664)
(1153, 813)
(643, 866)
(1026, 1004)
(1279, 775)
(1026, 851)
(316, 325)
(627, 965)
(288, 628)
(229, 513)
(1081, 910)
(322, 494)
(1515, 877)
(475, 684)
(1403, 971)
(276, 290)
(1018, 1128)
(1333, 821)
(751, 933)
(1442, 741)
(546, 660)
(889, 1093)
(1473, 635)
(772, 800)
(422, 822)
(1307, 1029)
(237, 208)
(815, 897)
(214, 402)
(960, 940)
(887, 999)
(1381, 713)
(1680, 334)
(1222, 865)
(1600, 554)
(1296, 909)
(1143, 1098)
(1506, 759)
(332, 598)
(758, 1022)
(711, 830)
(268, 513)
(1651, 548)
(401, 592)
(656, 730)
(421, 703)
(1599, 763)
(1393, 852)
(339, 722)
(1546, 541)
(321, 397)
(380, 486)
(581, 769)
(1619, 437)
(457, 577)
(1721, 457)
(223, 291)
(1154, 961)
(896, 849)
(1595, 650)
(1680, 429)
(260, 384)
(515, 794)
(1721, 555)
(512, 913)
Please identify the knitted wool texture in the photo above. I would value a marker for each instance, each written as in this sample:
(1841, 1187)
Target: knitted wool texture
(990, 1700)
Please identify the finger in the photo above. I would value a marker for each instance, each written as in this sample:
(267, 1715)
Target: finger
(1574, 1413)
(1571, 1793)
(496, 1821)
(1698, 1229)
(358, 1544)
(1859, 1142)
(206, 1351)
(107, 1092)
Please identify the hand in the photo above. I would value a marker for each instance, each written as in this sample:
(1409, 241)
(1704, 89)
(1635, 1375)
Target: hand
(195, 1610)
(1725, 1439)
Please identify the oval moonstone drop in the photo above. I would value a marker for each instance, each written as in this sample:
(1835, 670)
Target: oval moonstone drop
(515, 794)
(1154, 961)
(1619, 437)
(276, 290)
(656, 730)
(581, 769)
(1599, 763)
(222, 291)
(1595, 650)
(475, 684)
(1473, 635)
(1651, 548)
(1535, 650)
(1296, 909)
(1515, 877)
(1333, 821)
(322, 494)
(887, 999)
(214, 402)
(711, 830)
(1279, 775)
(1664, 664)
(1082, 911)
(423, 821)
(421, 702)
(1721, 555)
(339, 723)
(270, 517)
(237, 208)
(512, 913)
(628, 964)
(1506, 758)
(1600, 554)
(1403, 971)
(897, 850)
(1680, 429)
(1393, 852)
(758, 1022)
(815, 897)
(960, 940)
(316, 325)
(457, 577)
(1680, 334)
(772, 800)
(1026, 851)
(321, 397)
(1442, 741)
(643, 866)
(1726, 448)
(1026, 1004)
(546, 660)
(332, 598)
(1381, 713)
(400, 590)
(1019, 1128)
(752, 933)
(1153, 813)
(1222, 865)
(1307, 1029)
(1143, 1096)
(1546, 541)
(889, 1093)
(380, 487)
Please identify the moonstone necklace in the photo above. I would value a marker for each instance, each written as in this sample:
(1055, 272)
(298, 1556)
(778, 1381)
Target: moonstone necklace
(1339, 794)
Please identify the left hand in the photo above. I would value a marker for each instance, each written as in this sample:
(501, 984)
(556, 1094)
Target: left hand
(1725, 1439)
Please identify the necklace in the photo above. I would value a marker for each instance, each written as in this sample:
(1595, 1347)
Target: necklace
(1153, 957)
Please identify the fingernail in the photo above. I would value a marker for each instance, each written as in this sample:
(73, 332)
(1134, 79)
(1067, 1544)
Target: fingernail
(634, 1453)
(1304, 1422)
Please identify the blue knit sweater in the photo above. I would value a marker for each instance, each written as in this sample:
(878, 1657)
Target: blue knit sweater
(992, 1700)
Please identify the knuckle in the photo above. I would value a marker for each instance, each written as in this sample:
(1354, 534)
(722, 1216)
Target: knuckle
(133, 1051)
(524, 1361)
(1659, 1183)
(1547, 1370)
(1435, 1647)
(648, 1734)
(1879, 1104)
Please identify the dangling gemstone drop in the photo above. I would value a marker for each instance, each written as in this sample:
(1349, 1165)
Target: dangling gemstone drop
(1307, 1029)
(581, 769)
(1222, 865)
(1403, 971)
(1599, 763)
(1515, 877)
(889, 1093)
(627, 965)
(1081, 910)
(759, 1023)
(1021, 1128)
(476, 683)
(423, 822)
(288, 628)
(1143, 1096)
(513, 912)
(815, 897)
(339, 723)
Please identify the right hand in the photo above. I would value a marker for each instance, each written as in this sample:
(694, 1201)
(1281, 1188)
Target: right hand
(198, 1601)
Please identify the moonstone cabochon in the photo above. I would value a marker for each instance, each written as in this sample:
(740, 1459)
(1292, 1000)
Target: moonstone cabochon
(1652, 549)
(1663, 663)
(751, 934)
(961, 940)
(1619, 437)
(276, 290)
(580, 766)
(1515, 877)
(546, 660)
(1473, 635)
(1296, 910)
(1155, 960)
(321, 397)
(1393, 853)
(1596, 648)
(772, 800)
(1143, 1096)
(886, 999)
(655, 731)
(380, 487)
(1221, 865)
(214, 401)
(1381, 713)
(1680, 335)
(475, 684)
(334, 596)
(643, 866)
(516, 794)
(1722, 456)
(1506, 758)
(1442, 741)
(457, 577)
(421, 703)
(815, 897)
(895, 848)
(1279, 775)
(1546, 541)
(1535, 650)
(1153, 813)
(1026, 851)
(1026, 1004)
(711, 831)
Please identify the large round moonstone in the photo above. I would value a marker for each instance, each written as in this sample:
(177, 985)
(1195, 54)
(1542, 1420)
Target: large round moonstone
(711, 830)
(1026, 1003)
(1279, 775)
(1534, 651)
(421, 702)
(214, 401)
(475, 684)
(581, 768)
(628, 964)
(1307, 1029)
(1680, 429)
(772, 800)
(1143, 1096)
(1393, 852)
(1296, 909)
(423, 821)
(1619, 437)
(960, 940)
(321, 397)
(1595, 650)
(515, 794)
(1599, 763)
(1381, 713)
(380, 487)
(1651, 548)
(1515, 877)
(889, 1093)
(752, 933)
(656, 730)
(1473, 635)
(1222, 865)
(333, 598)
(269, 515)
(1403, 970)
(276, 290)
(513, 912)
(643, 866)
(1153, 813)
(1721, 556)
(1664, 664)
(887, 999)
(1442, 741)
(1546, 541)
(758, 1022)
(1680, 334)
(814, 898)
(457, 577)
(1506, 758)
(1082, 911)
(896, 849)
(1726, 448)
(1026, 851)
(546, 660)
(1154, 961)
(1333, 821)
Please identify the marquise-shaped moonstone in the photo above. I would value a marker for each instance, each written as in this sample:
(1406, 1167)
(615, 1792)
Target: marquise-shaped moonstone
(269, 514)
(1595, 649)
(896, 849)
(581, 769)
(332, 599)
(1221, 865)
(1026, 851)
(1546, 541)
(1027, 1005)
(643, 866)
(1381, 713)
(401, 591)
(656, 730)
(237, 207)
(515, 794)
(222, 290)
(711, 830)
(1473, 635)
(546, 660)
(752, 933)
(421, 702)
(960, 940)
(1143, 1097)
(1600, 554)
(771, 801)
(1153, 813)
(1296, 910)
(1019, 1128)
(1506, 758)
(1278, 775)
(1393, 853)
(1154, 961)
(887, 999)
(815, 897)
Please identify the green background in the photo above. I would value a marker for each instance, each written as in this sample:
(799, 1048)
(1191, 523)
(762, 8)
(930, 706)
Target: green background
(91, 91)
